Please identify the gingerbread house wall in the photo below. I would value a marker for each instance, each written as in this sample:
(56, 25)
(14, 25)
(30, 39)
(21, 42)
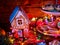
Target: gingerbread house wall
(23, 25)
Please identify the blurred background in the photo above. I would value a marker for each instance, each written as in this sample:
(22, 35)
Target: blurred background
(31, 7)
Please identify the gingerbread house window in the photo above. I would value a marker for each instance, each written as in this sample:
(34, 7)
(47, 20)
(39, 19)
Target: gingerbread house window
(19, 22)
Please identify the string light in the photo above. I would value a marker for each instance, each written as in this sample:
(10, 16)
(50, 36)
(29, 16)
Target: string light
(33, 19)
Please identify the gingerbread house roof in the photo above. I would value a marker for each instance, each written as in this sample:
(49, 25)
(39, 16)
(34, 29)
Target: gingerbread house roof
(15, 13)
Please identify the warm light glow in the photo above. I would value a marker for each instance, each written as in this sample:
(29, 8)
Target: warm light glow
(57, 32)
(10, 27)
(22, 43)
(34, 32)
(45, 33)
(33, 19)
(3, 32)
(57, 18)
(51, 15)
(46, 17)
(43, 8)
(11, 40)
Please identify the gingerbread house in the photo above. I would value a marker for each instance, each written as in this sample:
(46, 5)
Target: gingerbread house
(19, 21)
